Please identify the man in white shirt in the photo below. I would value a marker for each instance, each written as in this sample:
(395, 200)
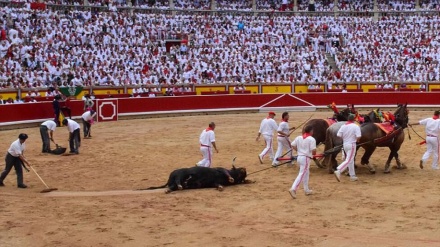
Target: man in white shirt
(432, 130)
(46, 130)
(305, 146)
(15, 158)
(283, 138)
(350, 134)
(207, 142)
(267, 127)
(74, 136)
(87, 118)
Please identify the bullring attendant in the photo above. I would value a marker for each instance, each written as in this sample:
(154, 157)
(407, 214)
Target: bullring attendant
(14, 158)
(74, 136)
(283, 138)
(432, 130)
(305, 145)
(46, 130)
(267, 127)
(207, 141)
(350, 134)
(87, 118)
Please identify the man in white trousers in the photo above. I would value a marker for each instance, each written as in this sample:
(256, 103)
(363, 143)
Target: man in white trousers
(207, 142)
(305, 145)
(350, 134)
(283, 138)
(267, 127)
(432, 129)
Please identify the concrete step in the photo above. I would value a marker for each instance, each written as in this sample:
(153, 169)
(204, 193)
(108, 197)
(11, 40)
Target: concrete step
(332, 62)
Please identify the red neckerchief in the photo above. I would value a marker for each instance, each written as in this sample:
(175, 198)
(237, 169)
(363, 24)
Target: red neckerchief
(434, 117)
(305, 135)
(285, 120)
(208, 129)
(349, 122)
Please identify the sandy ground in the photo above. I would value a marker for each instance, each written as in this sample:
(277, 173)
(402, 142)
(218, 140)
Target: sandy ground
(96, 203)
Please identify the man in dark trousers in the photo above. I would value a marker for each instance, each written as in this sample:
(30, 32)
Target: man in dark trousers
(46, 130)
(14, 158)
(74, 135)
(56, 109)
(87, 118)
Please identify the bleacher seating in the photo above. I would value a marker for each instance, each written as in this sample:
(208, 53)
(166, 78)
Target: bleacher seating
(108, 48)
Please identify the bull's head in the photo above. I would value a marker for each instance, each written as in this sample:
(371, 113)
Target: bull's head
(239, 174)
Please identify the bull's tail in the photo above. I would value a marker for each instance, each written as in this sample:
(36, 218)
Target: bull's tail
(153, 188)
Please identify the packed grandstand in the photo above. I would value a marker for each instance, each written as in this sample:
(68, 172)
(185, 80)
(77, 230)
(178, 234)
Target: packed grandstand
(61, 43)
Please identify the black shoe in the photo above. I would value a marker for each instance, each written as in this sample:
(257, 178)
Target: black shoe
(2, 184)
(72, 152)
(22, 186)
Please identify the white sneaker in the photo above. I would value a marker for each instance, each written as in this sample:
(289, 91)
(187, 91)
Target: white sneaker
(309, 192)
(292, 194)
(275, 164)
(338, 175)
(353, 179)
(435, 168)
(261, 159)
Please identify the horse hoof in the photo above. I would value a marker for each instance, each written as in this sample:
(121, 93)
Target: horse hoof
(386, 171)
(372, 171)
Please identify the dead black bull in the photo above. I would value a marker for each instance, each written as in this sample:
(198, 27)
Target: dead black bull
(203, 177)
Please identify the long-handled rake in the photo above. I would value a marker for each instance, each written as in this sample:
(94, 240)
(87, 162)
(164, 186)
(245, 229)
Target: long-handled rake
(48, 189)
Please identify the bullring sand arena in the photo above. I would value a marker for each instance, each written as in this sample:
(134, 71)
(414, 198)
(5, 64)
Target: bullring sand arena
(97, 203)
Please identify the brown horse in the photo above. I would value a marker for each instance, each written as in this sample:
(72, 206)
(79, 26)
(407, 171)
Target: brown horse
(372, 137)
(333, 143)
(321, 125)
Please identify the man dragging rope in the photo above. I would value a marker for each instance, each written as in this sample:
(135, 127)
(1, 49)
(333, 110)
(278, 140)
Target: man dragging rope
(305, 145)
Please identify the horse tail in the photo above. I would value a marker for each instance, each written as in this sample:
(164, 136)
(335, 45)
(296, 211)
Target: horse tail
(153, 188)
(328, 145)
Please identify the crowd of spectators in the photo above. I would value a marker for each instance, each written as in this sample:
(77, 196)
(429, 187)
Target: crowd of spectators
(58, 48)
(270, 5)
(243, 5)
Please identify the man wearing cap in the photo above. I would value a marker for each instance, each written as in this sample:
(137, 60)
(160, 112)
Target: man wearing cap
(87, 118)
(432, 129)
(350, 133)
(14, 158)
(207, 142)
(46, 130)
(74, 135)
(267, 127)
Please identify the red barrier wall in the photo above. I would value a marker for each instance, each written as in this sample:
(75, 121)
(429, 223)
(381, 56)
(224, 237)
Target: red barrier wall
(39, 110)
(379, 98)
(44, 110)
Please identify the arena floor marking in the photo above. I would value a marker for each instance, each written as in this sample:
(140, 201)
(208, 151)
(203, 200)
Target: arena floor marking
(101, 193)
